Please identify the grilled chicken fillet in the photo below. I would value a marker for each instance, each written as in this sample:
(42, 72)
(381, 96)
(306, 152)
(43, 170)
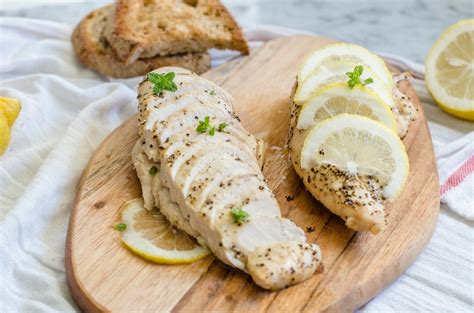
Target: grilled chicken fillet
(203, 176)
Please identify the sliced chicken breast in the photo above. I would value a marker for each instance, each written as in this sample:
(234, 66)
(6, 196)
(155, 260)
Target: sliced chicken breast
(154, 111)
(205, 177)
(358, 200)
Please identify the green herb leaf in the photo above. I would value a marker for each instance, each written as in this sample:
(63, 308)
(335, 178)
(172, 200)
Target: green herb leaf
(358, 70)
(222, 126)
(239, 215)
(212, 131)
(368, 81)
(212, 93)
(153, 170)
(354, 77)
(203, 125)
(120, 226)
(162, 82)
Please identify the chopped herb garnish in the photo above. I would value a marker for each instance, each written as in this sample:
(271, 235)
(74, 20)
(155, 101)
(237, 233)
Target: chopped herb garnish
(153, 170)
(120, 226)
(162, 82)
(212, 131)
(212, 93)
(239, 215)
(221, 127)
(354, 77)
(203, 125)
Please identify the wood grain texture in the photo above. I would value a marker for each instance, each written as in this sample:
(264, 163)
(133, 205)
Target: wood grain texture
(105, 277)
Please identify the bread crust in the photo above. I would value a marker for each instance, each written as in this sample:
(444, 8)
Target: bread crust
(163, 27)
(94, 51)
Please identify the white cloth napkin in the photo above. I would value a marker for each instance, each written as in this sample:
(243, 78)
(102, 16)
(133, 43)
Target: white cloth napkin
(68, 110)
(456, 167)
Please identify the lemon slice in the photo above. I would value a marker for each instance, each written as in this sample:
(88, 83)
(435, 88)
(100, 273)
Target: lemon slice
(150, 235)
(449, 70)
(338, 98)
(4, 133)
(335, 71)
(358, 145)
(11, 108)
(347, 53)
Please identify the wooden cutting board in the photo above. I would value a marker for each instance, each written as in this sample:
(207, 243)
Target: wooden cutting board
(103, 276)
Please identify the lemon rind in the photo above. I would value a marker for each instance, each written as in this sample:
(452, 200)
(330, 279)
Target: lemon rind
(166, 260)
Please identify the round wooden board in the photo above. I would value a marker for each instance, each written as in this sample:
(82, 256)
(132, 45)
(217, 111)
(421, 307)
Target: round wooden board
(103, 276)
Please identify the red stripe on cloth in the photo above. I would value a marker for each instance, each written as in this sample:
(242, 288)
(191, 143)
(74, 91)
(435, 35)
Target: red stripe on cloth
(458, 176)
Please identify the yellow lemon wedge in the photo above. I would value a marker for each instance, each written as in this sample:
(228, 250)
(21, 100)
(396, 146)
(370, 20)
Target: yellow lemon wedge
(11, 108)
(150, 235)
(449, 70)
(4, 133)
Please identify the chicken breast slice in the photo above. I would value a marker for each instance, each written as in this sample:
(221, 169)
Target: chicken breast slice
(209, 175)
(155, 194)
(142, 166)
(265, 261)
(181, 152)
(404, 110)
(205, 181)
(173, 213)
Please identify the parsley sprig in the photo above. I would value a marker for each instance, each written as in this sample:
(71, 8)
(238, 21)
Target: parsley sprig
(205, 126)
(239, 215)
(354, 77)
(162, 82)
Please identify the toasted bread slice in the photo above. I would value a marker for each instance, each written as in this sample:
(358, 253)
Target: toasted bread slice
(148, 28)
(93, 51)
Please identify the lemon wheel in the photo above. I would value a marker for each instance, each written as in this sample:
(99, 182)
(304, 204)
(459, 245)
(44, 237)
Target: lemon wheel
(449, 70)
(336, 72)
(150, 235)
(337, 98)
(358, 145)
(345, 52)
